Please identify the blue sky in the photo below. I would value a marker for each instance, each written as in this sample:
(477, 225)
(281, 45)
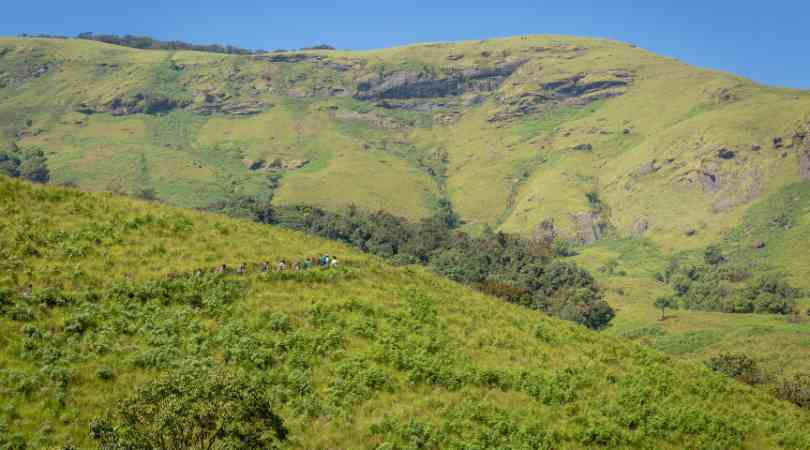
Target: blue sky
(766, 41)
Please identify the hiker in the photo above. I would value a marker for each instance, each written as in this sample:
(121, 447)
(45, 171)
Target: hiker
(264, 266)
(222, 269)
(334, 262)
(28, 291)
(198, 273)
(297, 266)
(282, 266)
(241, 269)
(307, 263)
(326, 260)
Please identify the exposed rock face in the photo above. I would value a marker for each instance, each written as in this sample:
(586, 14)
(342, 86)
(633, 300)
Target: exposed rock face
(648, 168)
(253, 165)
(296, 164)
(589, 227)
(279, 164)
(545, 231)
(640, 227)
(412, 85)
(137, 104)
(725, 153)
(709, 182)
(778, 142)
(583, 147)
(804, 164)
(577, 90)
(759, 245)
(288, 57)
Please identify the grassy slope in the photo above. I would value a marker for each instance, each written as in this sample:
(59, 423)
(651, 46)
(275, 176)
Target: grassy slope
(362, 356)
(511, 175)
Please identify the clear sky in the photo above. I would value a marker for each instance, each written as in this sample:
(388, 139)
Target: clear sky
(768, 41)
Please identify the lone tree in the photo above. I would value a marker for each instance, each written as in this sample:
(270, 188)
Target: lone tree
(193, 409)
(665, 302)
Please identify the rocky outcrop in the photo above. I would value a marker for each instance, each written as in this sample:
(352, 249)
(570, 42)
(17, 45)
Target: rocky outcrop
(589, 227)
(640, 227)
(648, 168)
(804, 164)
(403, 85)
(136, 104)
(725, 153)
(709, 181)
(576, 90)
(251, 164)
(279, 164)
(288, 57)
(545, 231)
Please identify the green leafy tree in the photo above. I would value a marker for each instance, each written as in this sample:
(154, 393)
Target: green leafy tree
(663, 303)
(193, 409)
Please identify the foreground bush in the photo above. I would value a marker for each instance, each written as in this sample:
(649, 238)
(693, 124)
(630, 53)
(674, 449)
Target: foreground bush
(796, 390)
(193, 409)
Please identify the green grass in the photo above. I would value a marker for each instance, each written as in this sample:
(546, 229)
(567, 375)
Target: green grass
(365, 356)
(667, 105)
(511, 175)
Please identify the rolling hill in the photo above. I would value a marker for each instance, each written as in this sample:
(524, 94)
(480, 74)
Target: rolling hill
(514, 132)
(641, 158)
(363, 356)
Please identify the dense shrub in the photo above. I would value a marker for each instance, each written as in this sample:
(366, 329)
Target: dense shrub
(796, 390)
(724, 285)
(28, 164)
(193, 409)
(738, 366)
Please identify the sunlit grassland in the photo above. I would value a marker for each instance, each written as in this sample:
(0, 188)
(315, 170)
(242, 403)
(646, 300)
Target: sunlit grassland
(361, 356)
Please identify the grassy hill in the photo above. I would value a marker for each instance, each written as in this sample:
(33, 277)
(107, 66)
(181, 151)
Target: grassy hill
(365, 356)
(512, 131)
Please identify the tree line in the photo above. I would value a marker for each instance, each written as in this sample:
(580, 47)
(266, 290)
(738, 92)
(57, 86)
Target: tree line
(530, 273)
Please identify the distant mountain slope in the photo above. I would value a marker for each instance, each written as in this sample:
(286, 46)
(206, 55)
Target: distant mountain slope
(515, 132)
(364, 356)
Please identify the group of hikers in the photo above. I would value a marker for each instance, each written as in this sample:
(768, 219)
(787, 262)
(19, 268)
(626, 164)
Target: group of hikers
(323, 261)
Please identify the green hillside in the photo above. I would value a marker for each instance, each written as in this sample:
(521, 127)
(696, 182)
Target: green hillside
(363, 356)
(513, 131)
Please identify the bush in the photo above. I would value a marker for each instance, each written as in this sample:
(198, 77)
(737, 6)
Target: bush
(193, 409)
(796, 390)
(738, 366)
(28, 164)
(104, 373)
(718, 285)
(713, 256)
